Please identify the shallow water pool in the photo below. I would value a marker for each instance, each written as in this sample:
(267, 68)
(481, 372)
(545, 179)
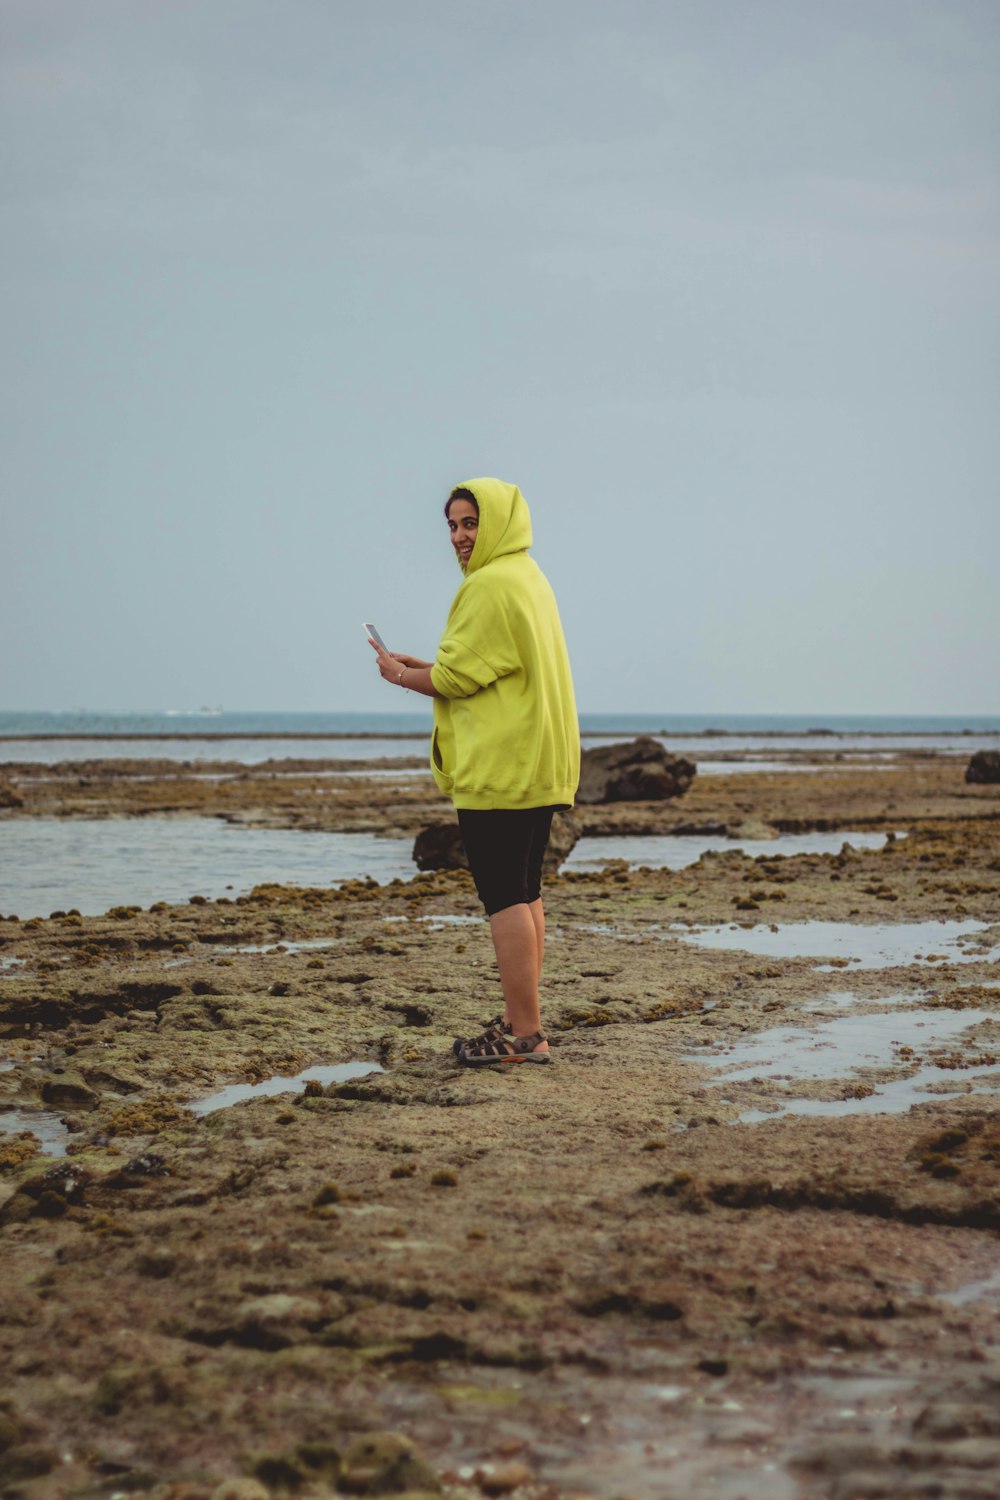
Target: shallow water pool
(676, 852)
(850, 1047)
(44, 1124)
(238, 1093)
(91, 864)
(862, 945)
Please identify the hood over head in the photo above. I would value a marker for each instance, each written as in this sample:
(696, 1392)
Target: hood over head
(504, 521)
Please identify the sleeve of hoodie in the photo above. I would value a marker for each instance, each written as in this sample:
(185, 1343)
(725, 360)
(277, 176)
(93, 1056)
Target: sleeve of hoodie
(477, 647)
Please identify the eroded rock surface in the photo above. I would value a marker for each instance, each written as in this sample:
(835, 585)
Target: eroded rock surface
(639, 771)
(984, 768)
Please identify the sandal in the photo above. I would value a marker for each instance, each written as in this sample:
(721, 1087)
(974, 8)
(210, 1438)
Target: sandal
(486, 1050)
(498, 1027)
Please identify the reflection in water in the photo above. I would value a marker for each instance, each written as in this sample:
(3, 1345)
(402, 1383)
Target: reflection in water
(861, 945)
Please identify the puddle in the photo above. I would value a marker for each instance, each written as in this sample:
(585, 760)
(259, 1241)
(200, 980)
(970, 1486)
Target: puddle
(418, 777)
(237, 1093)
(92, 864)
(837, 1048)
(973, 1291)
(848, 1047)
(629, 935)
(676, 852)
(9, 964)
(863, 946)
(282, 946)
(893, 1098)
(442, 920)
(776, 767)
(47, 1127)
(306, 945)
(846, 999)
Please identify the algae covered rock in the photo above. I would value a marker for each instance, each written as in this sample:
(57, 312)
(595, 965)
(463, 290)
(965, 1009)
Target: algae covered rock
(48, 1196)
(68, 1091)
(125, 1386)
(241, 1489)
(504, 1480)
(641, 770)
(17, 1149)
(386, 1463)
(299, 1471)
(276, 1321)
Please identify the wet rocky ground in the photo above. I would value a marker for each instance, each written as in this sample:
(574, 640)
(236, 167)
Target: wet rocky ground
(399, 797)
(646, 1270)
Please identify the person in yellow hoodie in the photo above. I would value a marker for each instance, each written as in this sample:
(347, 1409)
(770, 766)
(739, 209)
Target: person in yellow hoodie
(506, 742)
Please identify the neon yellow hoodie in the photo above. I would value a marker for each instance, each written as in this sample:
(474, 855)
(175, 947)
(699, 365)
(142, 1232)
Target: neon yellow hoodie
(506, 734)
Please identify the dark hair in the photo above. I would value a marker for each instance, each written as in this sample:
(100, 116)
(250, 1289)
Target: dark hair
(461, 494)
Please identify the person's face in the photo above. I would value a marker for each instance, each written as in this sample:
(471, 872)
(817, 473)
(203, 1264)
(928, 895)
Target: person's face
(463, 523)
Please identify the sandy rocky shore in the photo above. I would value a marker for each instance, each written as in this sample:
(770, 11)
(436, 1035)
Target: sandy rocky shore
(591, 1279)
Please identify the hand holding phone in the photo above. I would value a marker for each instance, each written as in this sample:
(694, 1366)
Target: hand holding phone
(373, 635)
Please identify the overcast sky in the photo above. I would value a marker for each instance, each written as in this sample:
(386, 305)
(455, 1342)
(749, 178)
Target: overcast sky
(714, 282)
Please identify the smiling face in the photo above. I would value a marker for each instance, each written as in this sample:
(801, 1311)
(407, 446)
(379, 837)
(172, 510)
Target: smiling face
(463, 523)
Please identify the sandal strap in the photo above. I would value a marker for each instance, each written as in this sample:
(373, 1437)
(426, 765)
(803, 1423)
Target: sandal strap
(494, 1031)
(526, 1043)
(503, 1045)
(486, 1046)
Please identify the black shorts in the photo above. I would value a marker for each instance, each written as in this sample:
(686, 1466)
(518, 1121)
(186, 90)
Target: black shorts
(505, 849)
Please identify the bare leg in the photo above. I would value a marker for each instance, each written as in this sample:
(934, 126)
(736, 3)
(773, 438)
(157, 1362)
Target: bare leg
(515, 940)
(538, 917)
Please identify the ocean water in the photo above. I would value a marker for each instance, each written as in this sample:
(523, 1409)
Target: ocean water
(76, 722)
(253, 738)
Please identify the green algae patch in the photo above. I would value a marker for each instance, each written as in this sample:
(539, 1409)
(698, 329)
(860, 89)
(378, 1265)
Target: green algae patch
(386, 1463)
(15, 1150)
(150, 1117)
(305, 1466)
(498, 1398)
(329, 1193)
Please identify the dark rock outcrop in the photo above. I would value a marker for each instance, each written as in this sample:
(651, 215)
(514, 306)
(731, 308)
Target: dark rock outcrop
(439, 846)
(984, 768)
(639, 771)
(565, 832)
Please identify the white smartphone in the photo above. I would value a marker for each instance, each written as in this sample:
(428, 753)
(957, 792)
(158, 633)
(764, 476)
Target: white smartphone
(373, 635)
